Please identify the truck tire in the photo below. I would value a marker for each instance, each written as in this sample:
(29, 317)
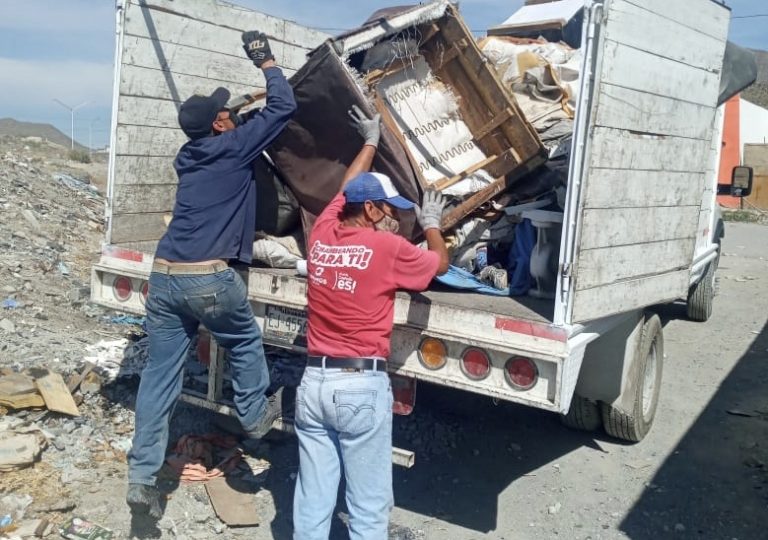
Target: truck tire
(583, 415)
(634, 425)
(701, 295)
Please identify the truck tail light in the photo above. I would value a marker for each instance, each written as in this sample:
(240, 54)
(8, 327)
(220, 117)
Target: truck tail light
(122, 288)
(432, 353)
(475, 363)
(521, 373)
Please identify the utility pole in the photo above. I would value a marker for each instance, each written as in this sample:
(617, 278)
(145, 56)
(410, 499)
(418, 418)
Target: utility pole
(72, 124)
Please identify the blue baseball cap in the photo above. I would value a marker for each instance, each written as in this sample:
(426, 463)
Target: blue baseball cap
(196, 114)
(373, 186)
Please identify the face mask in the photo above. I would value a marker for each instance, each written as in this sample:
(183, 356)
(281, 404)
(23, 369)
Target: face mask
(387, 224)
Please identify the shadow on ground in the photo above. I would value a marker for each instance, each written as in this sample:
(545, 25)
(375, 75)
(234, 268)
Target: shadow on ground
(715, 483)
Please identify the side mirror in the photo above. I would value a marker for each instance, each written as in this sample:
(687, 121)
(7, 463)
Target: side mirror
(741, 183)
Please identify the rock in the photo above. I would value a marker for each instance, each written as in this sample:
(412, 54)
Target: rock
(679, 527)
(554, 509)
(7, 326)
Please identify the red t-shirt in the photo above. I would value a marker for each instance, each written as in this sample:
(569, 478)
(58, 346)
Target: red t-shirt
(353, 275)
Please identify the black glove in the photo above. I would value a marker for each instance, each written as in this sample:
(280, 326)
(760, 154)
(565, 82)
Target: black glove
(256, 46)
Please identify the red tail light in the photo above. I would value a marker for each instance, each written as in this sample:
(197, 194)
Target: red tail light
(521, 373)
(122, 288)
(475, 364)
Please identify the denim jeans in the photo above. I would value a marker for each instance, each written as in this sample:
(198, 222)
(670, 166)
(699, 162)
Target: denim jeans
(176, 306)
(343, 419)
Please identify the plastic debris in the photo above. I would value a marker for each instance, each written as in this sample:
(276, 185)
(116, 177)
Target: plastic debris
(10, 303)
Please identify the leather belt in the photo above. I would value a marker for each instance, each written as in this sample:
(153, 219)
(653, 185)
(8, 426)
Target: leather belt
(188, 269)
(331, 362)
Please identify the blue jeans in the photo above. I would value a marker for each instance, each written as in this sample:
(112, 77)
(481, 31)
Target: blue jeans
(176, 306)
(343, 419)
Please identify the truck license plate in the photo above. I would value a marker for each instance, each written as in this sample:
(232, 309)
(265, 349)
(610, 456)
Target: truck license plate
(286, 325)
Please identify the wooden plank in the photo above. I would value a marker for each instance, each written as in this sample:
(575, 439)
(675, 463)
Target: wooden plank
(391, 124)
(624, 296)
(147, 141)
(639, 70)
(703, 16)
(56, 394)
(142, 170)
(135, 199)
(639, 112)
(624, 188)
(648, 31)
(177, 59)
(756, 156)
(154, 83)
(605, 266)
(500, 118)
(621, 149)
(211, 37)
(138, 227)
(147, 112)
(448, 182)
(636, 225)
(231, 16)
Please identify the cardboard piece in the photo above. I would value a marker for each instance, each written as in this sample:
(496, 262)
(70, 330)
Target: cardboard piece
(18, 391)
(56, 394)
(235, 508)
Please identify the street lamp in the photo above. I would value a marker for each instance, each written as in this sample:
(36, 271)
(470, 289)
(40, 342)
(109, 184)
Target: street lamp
(72, 113)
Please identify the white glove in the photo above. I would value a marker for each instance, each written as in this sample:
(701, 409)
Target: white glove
(367, 127)
(430, 213)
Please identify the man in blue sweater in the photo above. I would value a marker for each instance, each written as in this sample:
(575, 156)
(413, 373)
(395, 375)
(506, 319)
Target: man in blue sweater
(191, 281)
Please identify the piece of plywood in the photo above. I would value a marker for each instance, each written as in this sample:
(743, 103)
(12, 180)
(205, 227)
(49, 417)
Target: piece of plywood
(227, 15)
(662, 36)
(138, 227)
(640, 112)
(145, 170)
(628, 67)
(56, 394)
(234, 504)
(704, 16)
(135, 199)
(627, 188)
(605, 266)
(140, 81)
(624, 149)
(756, 156)
(591, 304)
(636, 225)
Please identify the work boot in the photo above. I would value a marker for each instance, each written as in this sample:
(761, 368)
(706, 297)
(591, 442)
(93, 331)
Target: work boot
(144, 500)
(272, 412)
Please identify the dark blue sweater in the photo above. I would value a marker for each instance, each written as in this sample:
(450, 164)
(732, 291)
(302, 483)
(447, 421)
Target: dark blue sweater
(215, 211)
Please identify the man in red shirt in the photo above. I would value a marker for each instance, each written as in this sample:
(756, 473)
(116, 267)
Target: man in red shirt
(344, 403)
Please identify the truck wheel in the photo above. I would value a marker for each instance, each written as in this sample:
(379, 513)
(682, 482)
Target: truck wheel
(583, 415)
(701, 295)
(649, 359)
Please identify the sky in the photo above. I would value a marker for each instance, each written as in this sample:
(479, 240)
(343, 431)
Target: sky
(63, 50)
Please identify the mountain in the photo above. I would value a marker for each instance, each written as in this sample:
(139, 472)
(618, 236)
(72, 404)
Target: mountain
(9, 126)
(758, 92)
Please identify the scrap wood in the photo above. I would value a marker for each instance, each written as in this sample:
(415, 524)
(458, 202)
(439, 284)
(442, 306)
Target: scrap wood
(194, 458)
(233, 503)
(56, 394)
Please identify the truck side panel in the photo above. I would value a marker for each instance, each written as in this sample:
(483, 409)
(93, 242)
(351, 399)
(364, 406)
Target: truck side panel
(648, 154)
(171, 50)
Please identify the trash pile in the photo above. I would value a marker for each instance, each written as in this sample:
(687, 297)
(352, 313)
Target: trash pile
(489, 123)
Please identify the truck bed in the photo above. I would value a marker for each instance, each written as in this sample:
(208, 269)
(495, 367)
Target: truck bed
(286, 284)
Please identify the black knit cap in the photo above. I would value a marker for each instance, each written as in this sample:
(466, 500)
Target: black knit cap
(196, 114)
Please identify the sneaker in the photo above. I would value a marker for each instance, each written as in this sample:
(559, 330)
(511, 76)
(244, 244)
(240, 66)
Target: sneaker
(144, 500)
(274, 410)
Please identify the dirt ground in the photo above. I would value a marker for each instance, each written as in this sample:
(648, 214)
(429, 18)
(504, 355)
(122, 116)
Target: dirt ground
(482, 470)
